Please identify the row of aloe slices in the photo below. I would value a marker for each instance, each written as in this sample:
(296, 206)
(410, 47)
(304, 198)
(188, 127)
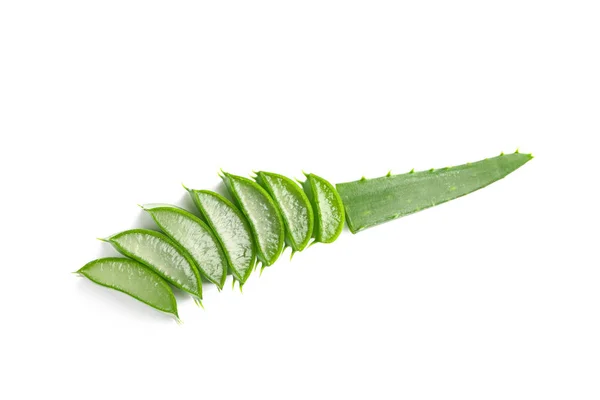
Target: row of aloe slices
(231, 237)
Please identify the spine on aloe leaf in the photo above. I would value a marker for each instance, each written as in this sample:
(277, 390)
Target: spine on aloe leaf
(267, 213)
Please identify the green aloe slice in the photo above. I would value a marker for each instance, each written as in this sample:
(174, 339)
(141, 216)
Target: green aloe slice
(195, 237)
(294, 206)
(134, 279)
(262, 214)
(370, 202)
(162, 255)
(327, 206)
(231, 229)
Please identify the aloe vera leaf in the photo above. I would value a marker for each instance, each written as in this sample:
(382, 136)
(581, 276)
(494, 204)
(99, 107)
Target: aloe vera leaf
(194, 236)
(327, 206)
(162, 255)
(294, 206)
(134, 279)
(370, 202)
(261, 213)
(231, 229)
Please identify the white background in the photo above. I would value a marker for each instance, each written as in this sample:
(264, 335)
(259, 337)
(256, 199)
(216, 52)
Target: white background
(107, 104)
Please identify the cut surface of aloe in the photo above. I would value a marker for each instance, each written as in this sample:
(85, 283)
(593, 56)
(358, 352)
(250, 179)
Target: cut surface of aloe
(195, 237)
(369, 202)
(293, 205)
(134, 279)
(262, 214)
(231, 229)
(162, 255)
(327, 206)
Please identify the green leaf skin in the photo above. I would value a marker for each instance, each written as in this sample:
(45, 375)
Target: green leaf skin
(231, 229)
(369, 202)
(194, 236)
(162, 255)
(327, 206)
(262, 214)
(294, 206)
(134, 279)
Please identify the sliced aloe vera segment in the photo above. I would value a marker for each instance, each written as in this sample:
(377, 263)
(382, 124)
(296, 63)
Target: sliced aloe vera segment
(134, 279)
(195, 237)
(327, 206)
(370, 202)
(231, 229)
(162, 255)
(294, 206)
(262, 214)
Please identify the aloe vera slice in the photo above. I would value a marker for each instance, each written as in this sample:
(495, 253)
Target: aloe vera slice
(370, 202)
(262, 214)
(231, 229)
(195, 237)
(294, 206)
(327, 206)
(160, 254)
(134, 279)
